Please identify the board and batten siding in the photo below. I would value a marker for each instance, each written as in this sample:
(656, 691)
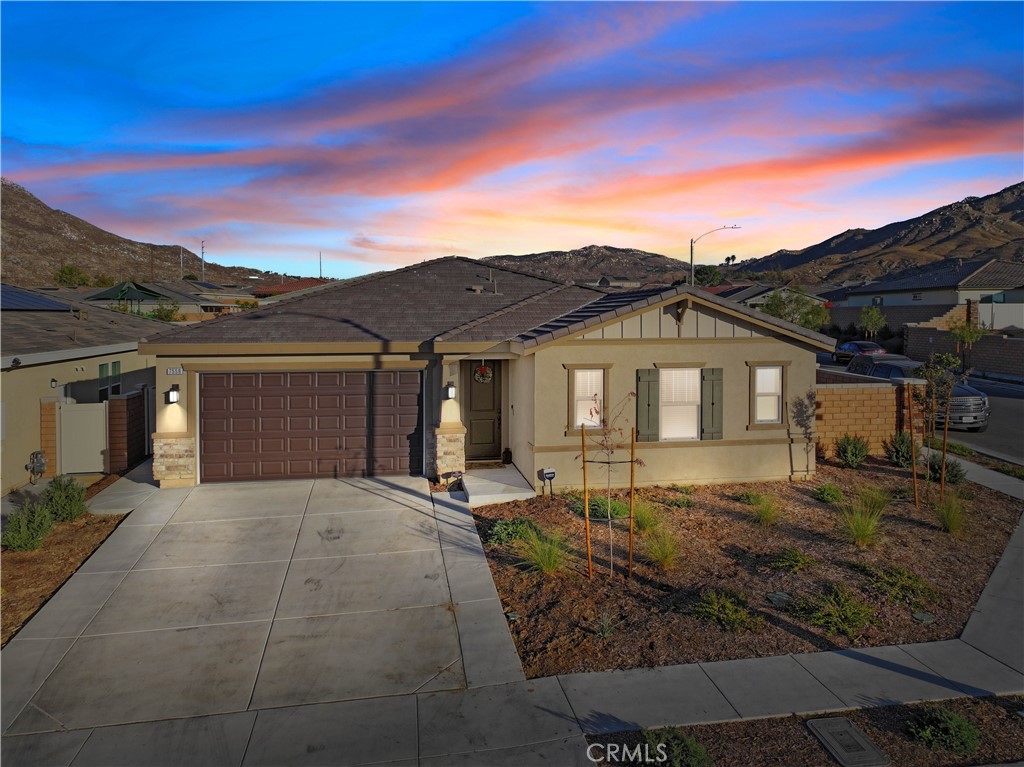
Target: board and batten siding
(698, 322)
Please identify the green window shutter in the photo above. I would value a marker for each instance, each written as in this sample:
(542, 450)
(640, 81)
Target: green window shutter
(647, 405)
(711, 403)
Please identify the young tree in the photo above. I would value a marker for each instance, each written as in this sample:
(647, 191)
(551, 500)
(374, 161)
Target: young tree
(966, 334)
(166, 310)
(871, 320)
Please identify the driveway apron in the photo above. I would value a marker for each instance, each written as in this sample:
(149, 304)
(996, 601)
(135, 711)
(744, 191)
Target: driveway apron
(234, 597)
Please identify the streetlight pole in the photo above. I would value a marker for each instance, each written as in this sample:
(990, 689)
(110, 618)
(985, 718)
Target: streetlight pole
(693, 241)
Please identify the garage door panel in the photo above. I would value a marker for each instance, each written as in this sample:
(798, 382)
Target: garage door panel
(281, 425)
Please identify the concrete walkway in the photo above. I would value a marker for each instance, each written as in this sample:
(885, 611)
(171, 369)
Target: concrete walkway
(493, 717)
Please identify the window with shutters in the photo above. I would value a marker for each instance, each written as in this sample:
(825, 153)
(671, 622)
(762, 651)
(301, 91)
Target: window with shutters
(587, 393)
(679, 404)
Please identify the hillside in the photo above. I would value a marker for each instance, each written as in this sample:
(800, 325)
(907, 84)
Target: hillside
(591, 263)
(977, 227)
(36, 240)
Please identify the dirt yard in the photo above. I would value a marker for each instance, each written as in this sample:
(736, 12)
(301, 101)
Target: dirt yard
(565, 623)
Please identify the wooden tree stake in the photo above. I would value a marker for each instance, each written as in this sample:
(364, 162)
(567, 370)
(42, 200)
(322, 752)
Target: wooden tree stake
(913, 441)
(586, 504)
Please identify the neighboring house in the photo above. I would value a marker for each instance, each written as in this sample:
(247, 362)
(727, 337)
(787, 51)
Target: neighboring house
(195, 300)
(754, 296)
(423, 369)
(56, 353)
(617, 282)
(993, 288)
(268, 291)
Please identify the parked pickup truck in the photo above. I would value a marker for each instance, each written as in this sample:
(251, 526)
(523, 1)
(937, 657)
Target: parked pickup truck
(968, 409)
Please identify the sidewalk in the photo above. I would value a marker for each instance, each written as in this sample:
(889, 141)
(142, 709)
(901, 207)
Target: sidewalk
(505, 721)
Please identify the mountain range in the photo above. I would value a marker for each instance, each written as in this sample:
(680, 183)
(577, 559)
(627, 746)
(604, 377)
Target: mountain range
(37, 240)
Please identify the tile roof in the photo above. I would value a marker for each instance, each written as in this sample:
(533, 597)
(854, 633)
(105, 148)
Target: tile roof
(416, 304)
(997, 274)
(265, 291)
(32, 332)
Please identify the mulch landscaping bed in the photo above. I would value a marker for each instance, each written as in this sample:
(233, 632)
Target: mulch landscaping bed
(788, 742)
(566, 623)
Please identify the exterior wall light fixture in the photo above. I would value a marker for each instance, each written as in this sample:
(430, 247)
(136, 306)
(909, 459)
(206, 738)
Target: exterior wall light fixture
(173, 394)
(449, 390)
(53, 383)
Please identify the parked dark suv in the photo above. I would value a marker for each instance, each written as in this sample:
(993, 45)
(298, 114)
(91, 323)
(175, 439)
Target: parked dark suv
(968, 409)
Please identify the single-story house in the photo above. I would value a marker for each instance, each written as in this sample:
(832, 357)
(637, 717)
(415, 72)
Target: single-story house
(994, 288)
(290, 286)
(61, 352)
(195, 300)
(426, 369)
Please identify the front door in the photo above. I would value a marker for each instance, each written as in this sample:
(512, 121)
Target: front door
(482, 382)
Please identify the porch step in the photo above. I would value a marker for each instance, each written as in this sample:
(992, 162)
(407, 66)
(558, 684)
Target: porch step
(486, 486)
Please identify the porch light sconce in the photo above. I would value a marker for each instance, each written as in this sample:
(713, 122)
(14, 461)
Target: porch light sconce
(53, 383)
(173, 394)
(449, 390)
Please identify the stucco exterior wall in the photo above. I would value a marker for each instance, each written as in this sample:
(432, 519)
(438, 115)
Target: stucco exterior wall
(715, 342)
(22, 388)
(521, 418)
(905, 298)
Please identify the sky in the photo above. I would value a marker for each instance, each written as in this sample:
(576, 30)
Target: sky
(383, 134)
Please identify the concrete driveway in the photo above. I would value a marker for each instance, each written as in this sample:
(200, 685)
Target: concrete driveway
(238, 597)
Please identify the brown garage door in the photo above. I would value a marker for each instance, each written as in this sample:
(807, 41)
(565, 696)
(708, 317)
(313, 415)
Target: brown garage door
(299, 425)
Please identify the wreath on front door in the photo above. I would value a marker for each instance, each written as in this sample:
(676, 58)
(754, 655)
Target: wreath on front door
(483, 373)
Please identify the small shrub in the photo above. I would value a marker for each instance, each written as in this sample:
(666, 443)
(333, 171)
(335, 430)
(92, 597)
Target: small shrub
(794, 560)
(938, 727)
(682, 502)
(543, 553)
(728, 610)
(851, 450)
(951, 514)
(684, 489)
(645, 515)
(838, 610)
(767, 512)
(65, 498)
(955, 472)
(509, 530)
(680, 749)
(606, 624)
(661, 548)
(829, 493)
(899, 449)
(27, 527)
(898, 584)
(750, 498)
(598, 506)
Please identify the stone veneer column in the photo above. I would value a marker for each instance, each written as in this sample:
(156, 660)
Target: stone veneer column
(174, 460)
(449, 449)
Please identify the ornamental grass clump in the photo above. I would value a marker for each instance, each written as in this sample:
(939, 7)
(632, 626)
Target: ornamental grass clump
(598, 506)
(767, 511)
(951, 513)
(862, 518)
(540, 552)
(645, 516)
(661, 548)
(65, 498)
(750, 498)
(851, 450)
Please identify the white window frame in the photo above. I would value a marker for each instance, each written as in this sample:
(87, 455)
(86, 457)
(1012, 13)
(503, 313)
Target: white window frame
(103, 377)
(115, 377)
(668, 406)
(759, 395)
(592, 400)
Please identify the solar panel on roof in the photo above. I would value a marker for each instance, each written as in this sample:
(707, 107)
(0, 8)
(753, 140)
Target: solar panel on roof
(16, 298)
(207, 285)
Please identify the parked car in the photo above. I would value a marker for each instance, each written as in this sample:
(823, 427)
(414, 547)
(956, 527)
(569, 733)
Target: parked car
(849, 350)
(968, 408)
